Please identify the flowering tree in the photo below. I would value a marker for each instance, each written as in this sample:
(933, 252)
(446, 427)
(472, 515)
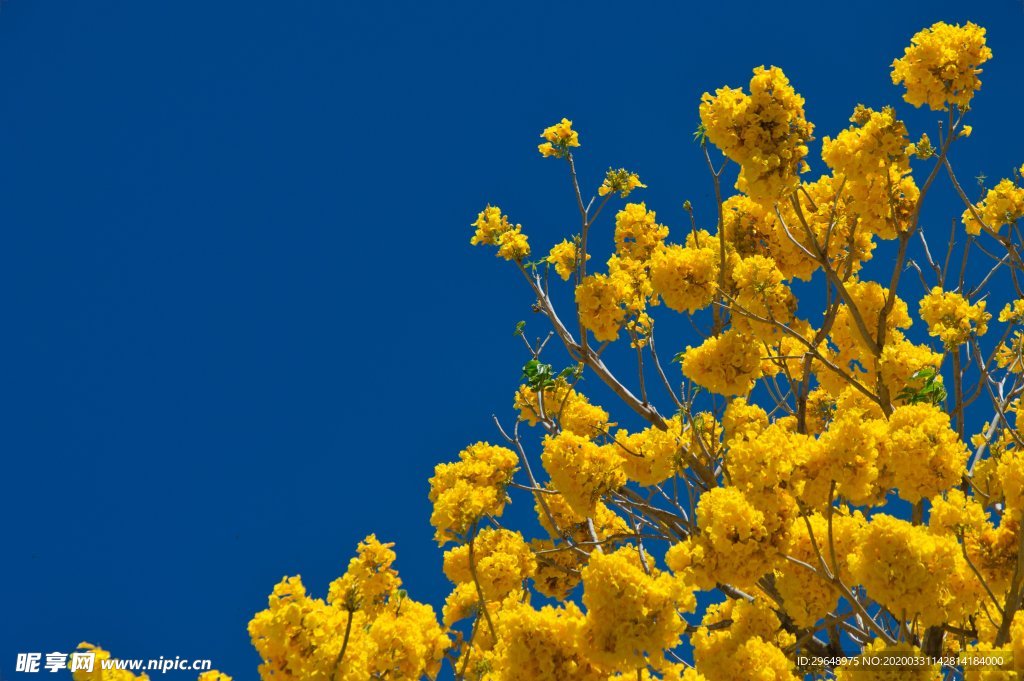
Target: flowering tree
(806, 485)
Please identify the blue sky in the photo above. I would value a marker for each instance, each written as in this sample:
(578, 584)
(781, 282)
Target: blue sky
(241, 317)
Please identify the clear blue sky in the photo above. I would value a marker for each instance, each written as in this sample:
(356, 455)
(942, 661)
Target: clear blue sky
(241, 320)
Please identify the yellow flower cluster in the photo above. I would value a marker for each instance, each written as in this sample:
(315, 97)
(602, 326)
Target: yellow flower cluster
(926, 455)
(685, 277)
(870, 158)
(1001, 206)
(569, 408)
(851, 324)
(581, 470)
(750, 646)
(735, 545)
(807, 596)
(742, 421)
(606, 302)
(494, 229)
(992, 550)
(600, 299)
(369, 581)
(565, 256)
(941, 66)
(299, 637)
(765, 132)
(560, 138)
(1010, 354)
(951, 318)
(652, 455)
(915, 572)
(501, 559)
(769, 467)
(637, 235)
(853, 454)
(760, 291)
(727, 364)
(464, 491)
(558, 568)
(1010, 474)
(1012, 312)
(621, 181)
(901, 359)
(632, 610)
(542, 645)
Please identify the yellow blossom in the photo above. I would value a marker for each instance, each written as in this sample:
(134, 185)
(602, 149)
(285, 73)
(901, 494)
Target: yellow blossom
(941, 66)
(632, 610)
(951, 318)
(464, 491)
(621, 181)
(727, 364)
(560, 137)
(765, 132)
(565, 257)
(581, 470)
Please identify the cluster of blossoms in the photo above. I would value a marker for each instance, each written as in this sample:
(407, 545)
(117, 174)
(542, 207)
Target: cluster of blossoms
(464, 491)
(871, 159)
(765, 132)
(1002, 205)
(817, 475)
(941, 66)
(952, 318)
(366, 628)
(494, 229)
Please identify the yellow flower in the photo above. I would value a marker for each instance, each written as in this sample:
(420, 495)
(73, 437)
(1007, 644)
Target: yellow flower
(927, 456)
(494, 229)
(571, 409)
(565, 257)
(581, 470)
(601, 299)
(727, 364)
(685, 278)
(632, 610)
(490, 225)
(765, 132)
(308, 639)
(941, 65)
(1002, 205)
(502, 560)
(542, 645)
(650, 456)
(512, 245)
(621, 181)
(464, 491)
(915, 572)
(637, 235)
(951, 318)
(753, 641)
(736, 543)
(872, 159)
(369, 581)
(560, 137)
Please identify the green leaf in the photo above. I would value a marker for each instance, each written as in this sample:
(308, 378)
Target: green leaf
(930, 391)
(519, 328)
